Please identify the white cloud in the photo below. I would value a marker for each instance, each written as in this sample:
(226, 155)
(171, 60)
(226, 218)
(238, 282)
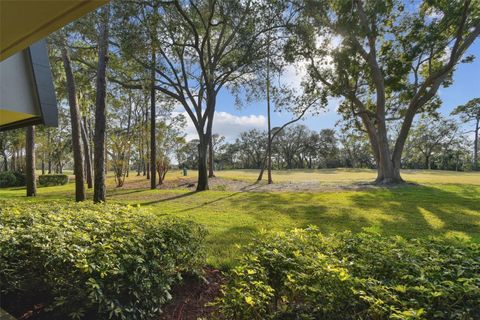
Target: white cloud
(294, 74)
(228, 125)
(434, 14)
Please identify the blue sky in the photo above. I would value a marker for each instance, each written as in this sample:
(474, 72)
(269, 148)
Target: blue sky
(230, 121)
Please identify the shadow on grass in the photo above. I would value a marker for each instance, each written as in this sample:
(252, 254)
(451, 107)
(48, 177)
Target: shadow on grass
(424, 210)
(219, 199)
(203, 204)
(410, 211)
(112, 193)
(178, 196)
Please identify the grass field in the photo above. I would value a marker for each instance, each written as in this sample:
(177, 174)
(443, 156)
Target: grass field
(351, 176)
(445, 204)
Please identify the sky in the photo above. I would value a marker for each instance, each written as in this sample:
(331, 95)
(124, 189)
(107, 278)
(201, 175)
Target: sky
(230, 121)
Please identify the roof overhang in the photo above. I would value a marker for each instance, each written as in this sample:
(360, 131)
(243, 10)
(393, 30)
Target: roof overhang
(25, 22)
(27, 95)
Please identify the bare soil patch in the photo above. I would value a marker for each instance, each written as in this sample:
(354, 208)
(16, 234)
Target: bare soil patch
(191, 299)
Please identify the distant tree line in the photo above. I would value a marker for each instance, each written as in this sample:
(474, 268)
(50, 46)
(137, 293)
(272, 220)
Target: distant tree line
(433, 144)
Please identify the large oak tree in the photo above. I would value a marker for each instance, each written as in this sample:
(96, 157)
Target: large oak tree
(386, 59)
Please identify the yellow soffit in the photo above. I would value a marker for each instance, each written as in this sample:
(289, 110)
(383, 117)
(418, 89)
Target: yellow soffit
(7, 116)
(23, 22)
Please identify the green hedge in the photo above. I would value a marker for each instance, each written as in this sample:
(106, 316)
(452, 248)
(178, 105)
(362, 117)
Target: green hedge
(11, 179)
(94, 261)
(48, 180)
(305, 275)
(19, 179)
(7, 179)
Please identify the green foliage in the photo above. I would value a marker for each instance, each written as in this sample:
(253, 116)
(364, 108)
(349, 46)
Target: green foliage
(116, 261)
(20, 179)
(469, 111)
(11, 179)
(303, 274)
(48, 180)
(7, 179)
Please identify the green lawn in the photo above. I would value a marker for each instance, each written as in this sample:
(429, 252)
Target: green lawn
(445, 204)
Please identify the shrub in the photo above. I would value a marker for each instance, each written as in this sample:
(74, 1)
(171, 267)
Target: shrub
(20, 179)
(7, 179)
(305, 275)
(109, 261)
(48, 180)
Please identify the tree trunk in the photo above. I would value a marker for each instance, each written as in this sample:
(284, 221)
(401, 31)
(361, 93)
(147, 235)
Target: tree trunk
(211, 174)
(146, 161)
(388, 172)
(30, 162)
(268, 160)
(12, 162)
(106, 162)
(388, 166)
(153, 145)
(99, 160)
(5, 162)
(204, 138)
(159, 171)
(90, 135)
(88, 161)
(475, 146)
(202, 183)
(262, 170)
(269, 141)
(129, 124)
(78, 168)
(162, 169)
(386, 169)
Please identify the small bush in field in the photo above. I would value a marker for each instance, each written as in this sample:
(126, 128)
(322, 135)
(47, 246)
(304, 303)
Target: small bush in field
(20, 179)
(303, 274)
(109, 261)
(7, 179)
(48, 180)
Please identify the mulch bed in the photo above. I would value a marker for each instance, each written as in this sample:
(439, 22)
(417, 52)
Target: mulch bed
(190, 300)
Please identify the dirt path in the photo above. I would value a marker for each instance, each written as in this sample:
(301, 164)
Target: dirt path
(233, 185)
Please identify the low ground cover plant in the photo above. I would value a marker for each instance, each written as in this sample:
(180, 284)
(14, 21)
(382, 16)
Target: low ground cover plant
(303, 274)
(101, 261)
(48, 180)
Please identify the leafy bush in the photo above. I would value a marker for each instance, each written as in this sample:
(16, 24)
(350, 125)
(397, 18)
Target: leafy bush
(306, 275)
(20, 179)
(7, 179)
(109, 261)
(48, 180)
